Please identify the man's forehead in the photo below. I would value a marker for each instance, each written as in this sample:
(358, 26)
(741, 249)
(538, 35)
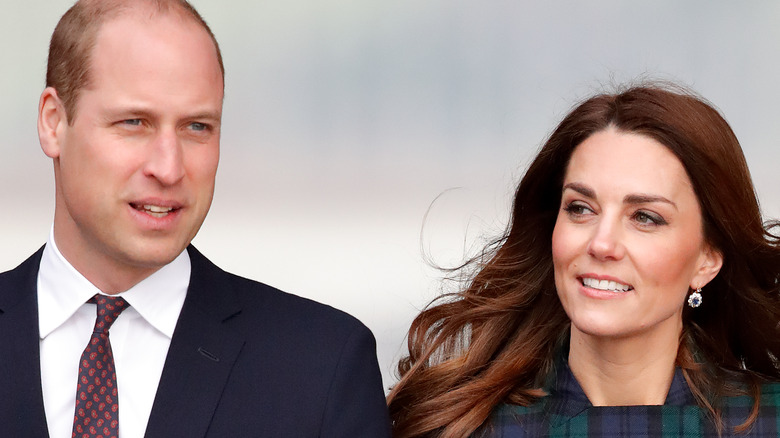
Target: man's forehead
(156, 27)
(149, 16)
(75, 54)
(140, 56)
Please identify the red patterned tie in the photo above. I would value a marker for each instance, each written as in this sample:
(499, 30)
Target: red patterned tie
(97, 403)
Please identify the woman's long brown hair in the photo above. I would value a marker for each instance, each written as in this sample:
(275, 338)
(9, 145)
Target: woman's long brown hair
(495, 341)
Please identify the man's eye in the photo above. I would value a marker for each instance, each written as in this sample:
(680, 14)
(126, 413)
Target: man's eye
(132, 122)
(195, 126)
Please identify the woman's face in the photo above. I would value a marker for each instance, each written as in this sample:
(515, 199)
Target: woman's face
(628, 242)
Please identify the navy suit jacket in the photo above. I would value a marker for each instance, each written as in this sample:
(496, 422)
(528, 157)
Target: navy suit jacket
(246, 360)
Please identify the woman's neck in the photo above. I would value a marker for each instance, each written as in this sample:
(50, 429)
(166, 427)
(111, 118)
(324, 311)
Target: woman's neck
(626, 371)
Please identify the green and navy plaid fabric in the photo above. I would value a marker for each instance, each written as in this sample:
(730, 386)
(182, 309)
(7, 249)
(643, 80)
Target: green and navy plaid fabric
(566, 412)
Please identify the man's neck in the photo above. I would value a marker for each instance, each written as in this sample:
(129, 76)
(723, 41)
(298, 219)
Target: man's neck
(109, 279)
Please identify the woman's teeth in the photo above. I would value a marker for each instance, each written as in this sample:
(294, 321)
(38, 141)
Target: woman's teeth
(605, 285)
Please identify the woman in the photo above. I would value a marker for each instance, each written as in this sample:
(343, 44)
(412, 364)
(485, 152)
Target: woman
(636, 272)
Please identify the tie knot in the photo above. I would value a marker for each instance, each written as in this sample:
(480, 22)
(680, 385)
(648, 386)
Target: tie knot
(108, 309)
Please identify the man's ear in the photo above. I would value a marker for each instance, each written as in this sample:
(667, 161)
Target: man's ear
(51, 122)
(709, 265)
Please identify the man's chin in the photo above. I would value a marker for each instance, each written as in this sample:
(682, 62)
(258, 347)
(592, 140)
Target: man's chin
(153, 257)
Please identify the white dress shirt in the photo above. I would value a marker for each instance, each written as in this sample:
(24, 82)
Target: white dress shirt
(140, 338)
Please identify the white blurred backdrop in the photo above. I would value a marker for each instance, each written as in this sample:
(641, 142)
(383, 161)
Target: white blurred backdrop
(345, 119)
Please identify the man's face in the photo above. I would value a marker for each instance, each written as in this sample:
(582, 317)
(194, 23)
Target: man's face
(135, 169)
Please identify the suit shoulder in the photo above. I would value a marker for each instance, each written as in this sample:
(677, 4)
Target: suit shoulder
(262, 307)
(299, 331)
(25, 269)
(20, 281)
(260, 296)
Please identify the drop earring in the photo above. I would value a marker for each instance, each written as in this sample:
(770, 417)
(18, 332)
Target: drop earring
(694, 300)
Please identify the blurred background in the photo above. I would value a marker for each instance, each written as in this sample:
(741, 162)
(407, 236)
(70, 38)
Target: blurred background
(344, 120)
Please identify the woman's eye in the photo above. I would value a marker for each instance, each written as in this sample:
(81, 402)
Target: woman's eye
(646, 218)
(577, 209)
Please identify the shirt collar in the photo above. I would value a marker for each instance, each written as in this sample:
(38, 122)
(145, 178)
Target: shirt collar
(62, 290)
(567, 399)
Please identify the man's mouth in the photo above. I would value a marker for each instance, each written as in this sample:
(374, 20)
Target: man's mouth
(153, 210)
(607, 285)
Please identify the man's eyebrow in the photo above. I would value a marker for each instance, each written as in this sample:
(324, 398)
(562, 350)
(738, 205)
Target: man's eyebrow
(206, 115)
(128, 111)
(151, 114)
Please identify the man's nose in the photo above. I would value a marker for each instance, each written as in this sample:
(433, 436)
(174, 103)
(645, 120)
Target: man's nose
(165, 161)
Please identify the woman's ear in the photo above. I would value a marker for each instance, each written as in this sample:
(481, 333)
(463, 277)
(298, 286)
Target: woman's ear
(710, 262)
(52, 120)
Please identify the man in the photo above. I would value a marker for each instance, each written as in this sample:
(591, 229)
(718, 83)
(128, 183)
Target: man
(131, 119)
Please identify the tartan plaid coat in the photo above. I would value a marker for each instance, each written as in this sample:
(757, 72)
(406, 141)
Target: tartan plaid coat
(566, 412)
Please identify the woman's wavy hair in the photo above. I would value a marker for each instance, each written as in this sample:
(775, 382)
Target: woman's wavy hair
(495, 341)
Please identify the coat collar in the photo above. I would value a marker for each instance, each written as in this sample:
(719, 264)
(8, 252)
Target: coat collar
(202, 353)
(567, 398)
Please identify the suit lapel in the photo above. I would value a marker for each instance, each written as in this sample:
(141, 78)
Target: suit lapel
(21, 397)
(201, 356)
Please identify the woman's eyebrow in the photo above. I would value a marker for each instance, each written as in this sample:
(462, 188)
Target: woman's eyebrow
(634, 198)
(581, 189)
(642, 198)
